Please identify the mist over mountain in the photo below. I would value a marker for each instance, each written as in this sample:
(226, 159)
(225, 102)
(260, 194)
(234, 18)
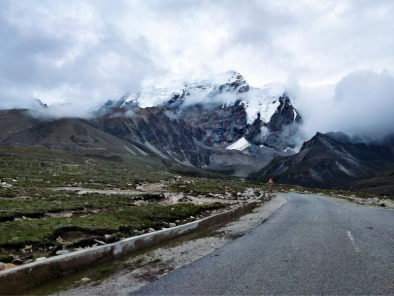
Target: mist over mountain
(358, 105)
(217, 123)
(200, 122)
(222, 123)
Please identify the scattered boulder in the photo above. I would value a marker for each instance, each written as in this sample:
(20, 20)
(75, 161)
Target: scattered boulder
(151, 230)
(41, 258)
(6, 185)
(173, 199)
(172, 225)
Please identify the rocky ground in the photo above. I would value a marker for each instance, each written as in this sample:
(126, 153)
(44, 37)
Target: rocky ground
(117, 213)
(143, 269)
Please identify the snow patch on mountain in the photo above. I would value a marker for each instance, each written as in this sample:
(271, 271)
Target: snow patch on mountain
(157, 93)
(225, 88)
(240, 145)
(264, 101)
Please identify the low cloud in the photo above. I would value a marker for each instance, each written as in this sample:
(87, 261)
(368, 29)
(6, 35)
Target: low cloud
(93, 51)
(200, 97)
(360, 104)
(56, 111)
(128, 113)
(171, 115)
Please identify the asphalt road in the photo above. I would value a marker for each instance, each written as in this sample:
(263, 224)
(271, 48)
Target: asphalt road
(311, 245)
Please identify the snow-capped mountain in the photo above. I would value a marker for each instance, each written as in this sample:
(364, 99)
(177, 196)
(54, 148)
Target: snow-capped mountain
(188, 122)
(226, 89)
(158, 93)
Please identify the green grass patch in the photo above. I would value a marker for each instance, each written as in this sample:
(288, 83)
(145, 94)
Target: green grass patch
(41, 230)
(102, 273)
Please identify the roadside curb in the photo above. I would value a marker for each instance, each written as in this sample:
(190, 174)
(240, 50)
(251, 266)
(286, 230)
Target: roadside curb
(18, 279)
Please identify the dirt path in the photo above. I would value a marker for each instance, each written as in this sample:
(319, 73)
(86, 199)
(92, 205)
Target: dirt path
(143, 269)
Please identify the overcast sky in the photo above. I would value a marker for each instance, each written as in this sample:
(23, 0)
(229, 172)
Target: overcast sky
(93, 50)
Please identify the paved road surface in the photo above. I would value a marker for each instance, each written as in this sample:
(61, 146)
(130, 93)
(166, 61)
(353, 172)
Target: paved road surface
(311, 245)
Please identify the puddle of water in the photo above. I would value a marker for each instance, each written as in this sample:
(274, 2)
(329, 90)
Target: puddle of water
(66, 281)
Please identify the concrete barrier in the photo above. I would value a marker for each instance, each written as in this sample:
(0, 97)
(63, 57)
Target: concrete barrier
(18, 279)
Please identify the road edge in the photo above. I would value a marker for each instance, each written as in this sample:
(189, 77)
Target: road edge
(19, 279)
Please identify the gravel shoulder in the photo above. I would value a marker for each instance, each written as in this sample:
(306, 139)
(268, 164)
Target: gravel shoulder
(141, 270)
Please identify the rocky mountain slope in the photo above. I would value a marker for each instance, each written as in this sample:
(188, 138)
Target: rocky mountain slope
(218, 124)
(327, 161)
(198, 123)
(25, 128)
(381, 185)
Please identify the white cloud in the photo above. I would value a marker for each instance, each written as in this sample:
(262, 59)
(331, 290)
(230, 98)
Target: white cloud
(359, 104)
(94, 50)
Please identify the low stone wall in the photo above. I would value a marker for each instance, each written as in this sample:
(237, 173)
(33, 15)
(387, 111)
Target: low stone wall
(18, 279)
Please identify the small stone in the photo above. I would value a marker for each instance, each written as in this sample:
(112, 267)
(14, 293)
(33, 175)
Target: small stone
(172, 225)
(100, 242)
(62, 252)
(107, 236)
(7, 266)
(191, 217)
(151, 230)
(84, 280)
(41, 259)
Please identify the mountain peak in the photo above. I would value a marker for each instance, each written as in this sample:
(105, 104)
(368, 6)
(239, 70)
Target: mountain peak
(38, 105)
(173, 93)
